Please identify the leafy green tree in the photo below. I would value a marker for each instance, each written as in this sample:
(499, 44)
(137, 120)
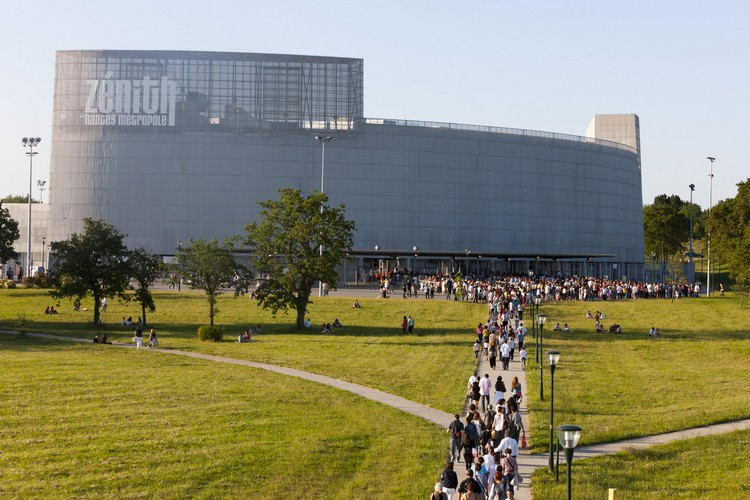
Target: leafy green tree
(729, 224)
(144, 270)
(665, 227)
(18, 198)
(8, 235)
(286, 241)
(211, 267)
(94, 263)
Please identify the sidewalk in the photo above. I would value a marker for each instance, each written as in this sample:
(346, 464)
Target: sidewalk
(526, 463)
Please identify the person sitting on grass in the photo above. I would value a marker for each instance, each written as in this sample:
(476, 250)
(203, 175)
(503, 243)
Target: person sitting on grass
(52, 310)
(567, 328)
(588, 315)
(356, 304)
(615, 328)
(599, 327)
(244, 337)
(337, 323)
(46, 311)
(325, 328)
(557, 327)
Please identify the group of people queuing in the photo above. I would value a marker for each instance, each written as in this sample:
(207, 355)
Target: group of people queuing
(502, 339)
(482, 288)
(488, 437)
(487, 441)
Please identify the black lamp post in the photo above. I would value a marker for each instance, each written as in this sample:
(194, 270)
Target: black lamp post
(535, 319)
(44, 264)
(542, 318)
(568, 435)
(179, 274)
(552, 358)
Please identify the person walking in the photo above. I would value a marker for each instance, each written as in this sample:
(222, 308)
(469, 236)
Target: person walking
(456, 429)
(404, 325)
(410, 323)
(485, 386)
(449, 480)
(138, 336)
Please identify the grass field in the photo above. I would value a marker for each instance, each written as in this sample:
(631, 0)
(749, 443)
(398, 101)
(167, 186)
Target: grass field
(708, 467)
(628, 385)
(429, 367)
(95, 421)
(614, 386)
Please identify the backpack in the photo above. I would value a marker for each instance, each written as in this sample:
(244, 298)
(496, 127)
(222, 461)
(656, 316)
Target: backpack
(470, 432)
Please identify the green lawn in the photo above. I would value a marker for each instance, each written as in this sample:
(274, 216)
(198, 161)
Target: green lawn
(708, 467)
(623, 386)
(80, 420)
(84, 420)
(430, 367)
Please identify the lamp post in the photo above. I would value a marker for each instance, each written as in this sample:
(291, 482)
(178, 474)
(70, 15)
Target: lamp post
(179, 274)
(41, 185)
(710, 203)
(541, 318)
(568, 435)
(653, 266)
(537, 300)
(323, 140)
(467, 251)
(44, 264)
(552, 358)
(690, 255)
(31, 143)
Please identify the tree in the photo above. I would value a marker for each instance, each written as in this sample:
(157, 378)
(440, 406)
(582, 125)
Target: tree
(286, 241)
(144, 269)
(209, 267)
(18, 198)
(94, 262)
(729, 225)
(665, 227)
(8, 235)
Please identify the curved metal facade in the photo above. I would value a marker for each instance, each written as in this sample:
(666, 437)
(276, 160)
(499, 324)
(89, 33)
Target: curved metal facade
(169, 146)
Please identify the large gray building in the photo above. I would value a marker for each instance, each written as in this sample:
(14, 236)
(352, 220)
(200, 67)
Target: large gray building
(168, 146)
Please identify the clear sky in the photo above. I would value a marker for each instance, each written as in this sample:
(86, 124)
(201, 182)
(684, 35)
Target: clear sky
(682, 66)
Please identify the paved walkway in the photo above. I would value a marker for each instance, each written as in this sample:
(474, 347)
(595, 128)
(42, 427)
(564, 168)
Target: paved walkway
(527, 463)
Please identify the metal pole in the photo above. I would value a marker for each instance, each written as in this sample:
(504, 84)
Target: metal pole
(551, 416)
(323, 139)
(690, 255)
(541, 364)
(29, 142)
(569, 460)
(710, 203)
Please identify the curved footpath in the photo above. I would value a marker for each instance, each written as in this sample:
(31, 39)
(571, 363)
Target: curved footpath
(527, 462)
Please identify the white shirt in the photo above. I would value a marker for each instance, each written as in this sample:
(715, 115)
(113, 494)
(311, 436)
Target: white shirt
(508, 442)
(485, 384)
(504, 350)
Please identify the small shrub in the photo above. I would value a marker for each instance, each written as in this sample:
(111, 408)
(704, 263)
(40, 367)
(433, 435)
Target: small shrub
(41, 280)
(215, 333)
(7, 283)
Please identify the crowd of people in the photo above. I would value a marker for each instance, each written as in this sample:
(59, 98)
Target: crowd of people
(487, 439)
(482, 288)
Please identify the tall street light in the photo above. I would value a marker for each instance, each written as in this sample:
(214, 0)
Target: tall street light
(322, 139)
(568, 435)
(41, 185)
(710, 203)
(179, 274)
(552, 358)
(44, 264)
(690, 255)
(542, 318)
(31, 143)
